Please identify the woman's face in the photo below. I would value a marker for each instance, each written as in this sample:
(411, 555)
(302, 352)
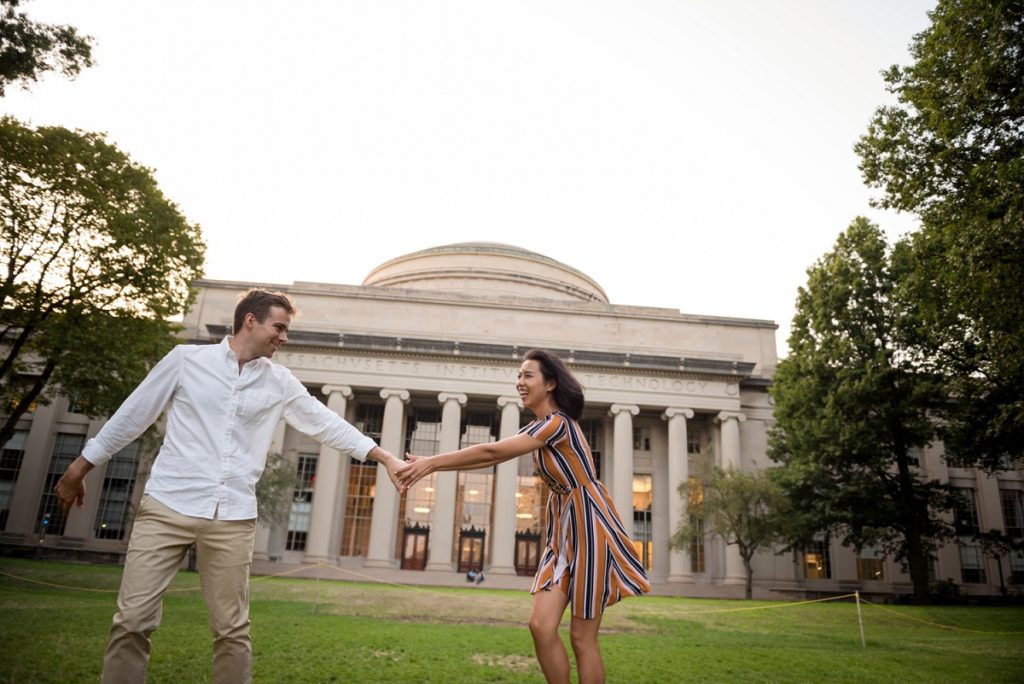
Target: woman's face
(533, 389)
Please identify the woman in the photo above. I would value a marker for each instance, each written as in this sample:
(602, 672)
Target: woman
(589, 561)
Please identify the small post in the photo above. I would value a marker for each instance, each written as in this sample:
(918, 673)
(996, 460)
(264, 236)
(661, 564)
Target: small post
(316, 597)
(860, 621)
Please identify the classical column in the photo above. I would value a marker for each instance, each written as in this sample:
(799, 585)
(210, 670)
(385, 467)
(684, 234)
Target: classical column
(278, 537)
(622, 461)
(678, 475)
(503, 532)
(380, 553)
(442, 519)
(730, 426)
(35, 464)
(330, 488)
(79, 525)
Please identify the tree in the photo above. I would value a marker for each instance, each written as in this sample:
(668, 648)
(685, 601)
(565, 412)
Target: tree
(745, 509)
(94, 259)
(275, 490)
(850, 404)
(952, 151)
(29, 49)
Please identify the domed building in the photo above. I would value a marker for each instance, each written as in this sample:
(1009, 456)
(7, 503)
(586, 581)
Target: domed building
(423, 357)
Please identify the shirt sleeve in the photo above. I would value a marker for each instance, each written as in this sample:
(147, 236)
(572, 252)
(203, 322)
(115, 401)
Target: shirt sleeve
(139, 410)
(549, 430)
(307, 415)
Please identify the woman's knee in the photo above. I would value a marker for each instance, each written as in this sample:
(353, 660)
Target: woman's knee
(542, 629)
(583, 637)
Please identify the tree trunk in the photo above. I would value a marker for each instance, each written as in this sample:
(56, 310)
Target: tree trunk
(750, 578)
(7, 431)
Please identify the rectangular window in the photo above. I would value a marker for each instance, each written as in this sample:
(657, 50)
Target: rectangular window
(362, 486)
(643, 537)
(66, 448)
(302, 503)
(642, 438)
(972, 564)
(817, 561)
(474, 493)
(1012, 503)
(965, 516)
(692, 442)
(422, 437)
(697, 545)
(10, 465)
(869, 565)
(592, 432)
(116, 497)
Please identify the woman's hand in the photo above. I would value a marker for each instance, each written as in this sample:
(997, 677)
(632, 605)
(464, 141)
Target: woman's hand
(413, 470)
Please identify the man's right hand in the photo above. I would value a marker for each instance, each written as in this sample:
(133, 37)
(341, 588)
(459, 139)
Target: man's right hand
(71, 486)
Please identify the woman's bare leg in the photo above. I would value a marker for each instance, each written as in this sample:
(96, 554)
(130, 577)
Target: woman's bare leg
(583, 636)
(545, 617)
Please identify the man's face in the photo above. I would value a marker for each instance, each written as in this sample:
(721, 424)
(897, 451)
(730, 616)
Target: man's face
(267, 336)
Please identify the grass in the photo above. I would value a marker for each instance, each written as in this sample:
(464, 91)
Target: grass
(328, 631)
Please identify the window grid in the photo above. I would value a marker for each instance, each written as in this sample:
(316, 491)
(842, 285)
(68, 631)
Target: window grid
(869, 565)
(10, 465)
(697, 545)
(302, 503)
(965, 516)
(422, 437)
(116, 497)
(362, 486)
(592, 432)
(66, 448)
(817, 561)
(475, 489)
(643, 540)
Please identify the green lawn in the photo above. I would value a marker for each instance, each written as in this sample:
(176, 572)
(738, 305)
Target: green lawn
(329, 631)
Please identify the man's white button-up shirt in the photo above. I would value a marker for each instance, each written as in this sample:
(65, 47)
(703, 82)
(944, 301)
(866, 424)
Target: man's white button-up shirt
(219, 427)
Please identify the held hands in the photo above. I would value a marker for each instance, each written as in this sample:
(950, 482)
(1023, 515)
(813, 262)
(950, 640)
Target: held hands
(413, 470)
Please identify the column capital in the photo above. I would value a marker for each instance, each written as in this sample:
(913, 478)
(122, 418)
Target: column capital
(445, 397)
(616, 409)
(400, 393)
(343, 390)
(728, 415)
(675, 411)
(505, 401)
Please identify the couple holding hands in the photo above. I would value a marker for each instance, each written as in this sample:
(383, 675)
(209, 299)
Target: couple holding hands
(224, 401)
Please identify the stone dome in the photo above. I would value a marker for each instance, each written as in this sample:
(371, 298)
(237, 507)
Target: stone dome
(486, 268)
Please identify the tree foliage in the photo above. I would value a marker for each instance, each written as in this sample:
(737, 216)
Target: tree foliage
(94, 260)
(952, 151)
(28, 49)
(850, 404)
(745, 509)
(275, 490)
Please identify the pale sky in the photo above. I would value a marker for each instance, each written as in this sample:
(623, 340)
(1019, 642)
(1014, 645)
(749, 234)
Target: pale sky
(695, 155)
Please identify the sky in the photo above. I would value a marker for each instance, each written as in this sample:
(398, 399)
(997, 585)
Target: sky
(691, 154)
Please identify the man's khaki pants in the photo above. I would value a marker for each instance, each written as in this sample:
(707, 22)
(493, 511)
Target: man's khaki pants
(160, 539)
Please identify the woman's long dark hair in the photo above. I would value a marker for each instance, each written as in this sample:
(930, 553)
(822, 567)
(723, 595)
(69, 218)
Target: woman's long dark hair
(568, 394)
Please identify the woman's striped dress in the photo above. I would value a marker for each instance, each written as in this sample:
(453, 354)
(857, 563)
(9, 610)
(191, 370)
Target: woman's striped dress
(589, 555)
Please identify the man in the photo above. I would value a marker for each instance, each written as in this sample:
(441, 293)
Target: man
(224, 402)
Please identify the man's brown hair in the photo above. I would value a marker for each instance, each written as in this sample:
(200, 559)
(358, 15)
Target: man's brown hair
(258, 303)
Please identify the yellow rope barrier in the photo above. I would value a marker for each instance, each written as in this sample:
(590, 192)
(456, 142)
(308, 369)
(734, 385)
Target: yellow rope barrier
(936, 624)
(376, 580)
(786, 604)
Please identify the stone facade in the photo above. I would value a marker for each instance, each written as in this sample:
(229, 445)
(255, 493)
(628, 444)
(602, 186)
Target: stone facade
(423, 356)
